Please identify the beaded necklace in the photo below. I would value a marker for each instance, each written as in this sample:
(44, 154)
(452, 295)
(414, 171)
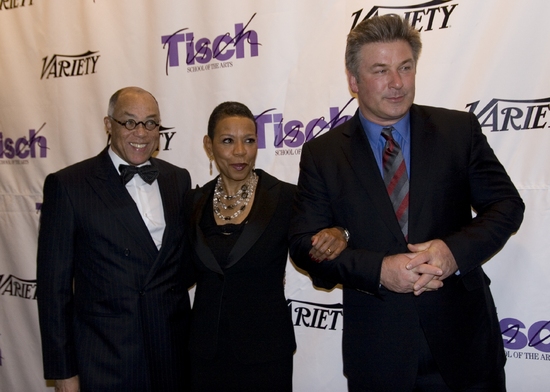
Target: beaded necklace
(241, 197)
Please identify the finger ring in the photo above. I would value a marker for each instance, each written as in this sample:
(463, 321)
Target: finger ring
(329, 251)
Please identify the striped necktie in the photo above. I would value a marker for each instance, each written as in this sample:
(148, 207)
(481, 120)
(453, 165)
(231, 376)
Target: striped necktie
(396, 179)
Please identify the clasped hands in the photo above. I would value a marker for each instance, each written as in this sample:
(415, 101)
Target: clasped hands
(424, 269)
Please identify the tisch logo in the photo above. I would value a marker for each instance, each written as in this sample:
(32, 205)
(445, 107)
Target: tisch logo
(294, 133)
(199, 52)
(319, 316)
(33, 146)
(537, 337)
(428, 16)
(507, 114)
(61, 65)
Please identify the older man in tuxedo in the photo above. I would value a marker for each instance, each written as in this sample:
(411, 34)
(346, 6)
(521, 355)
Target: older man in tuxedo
(402, 179)
(112, 269)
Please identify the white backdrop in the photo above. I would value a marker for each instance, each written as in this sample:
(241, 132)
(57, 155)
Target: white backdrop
(61, 60)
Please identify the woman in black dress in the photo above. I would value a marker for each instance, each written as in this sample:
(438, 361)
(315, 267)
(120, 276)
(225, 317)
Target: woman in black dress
(242, 337)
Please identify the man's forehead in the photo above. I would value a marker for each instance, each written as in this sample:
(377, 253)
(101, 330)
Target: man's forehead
(133, 100)
(374, 52)
(381, 45)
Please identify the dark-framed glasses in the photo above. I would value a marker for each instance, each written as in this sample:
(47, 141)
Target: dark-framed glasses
(130, 124)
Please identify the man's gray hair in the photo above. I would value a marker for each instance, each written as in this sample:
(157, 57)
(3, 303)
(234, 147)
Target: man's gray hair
(385, 28)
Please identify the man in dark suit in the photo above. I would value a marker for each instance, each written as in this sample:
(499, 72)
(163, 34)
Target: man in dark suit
(112, 271)
(418, 312)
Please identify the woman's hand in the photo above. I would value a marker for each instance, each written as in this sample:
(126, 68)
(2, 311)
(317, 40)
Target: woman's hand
(327, 244)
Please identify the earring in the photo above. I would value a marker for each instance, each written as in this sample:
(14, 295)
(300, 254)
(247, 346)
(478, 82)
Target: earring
(210, 165)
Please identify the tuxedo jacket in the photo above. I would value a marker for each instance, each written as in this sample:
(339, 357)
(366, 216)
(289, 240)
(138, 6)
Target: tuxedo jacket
(113, 309)
(452, 171)
(250, 290)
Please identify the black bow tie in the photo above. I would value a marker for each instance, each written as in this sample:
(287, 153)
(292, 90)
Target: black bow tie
(148, 173)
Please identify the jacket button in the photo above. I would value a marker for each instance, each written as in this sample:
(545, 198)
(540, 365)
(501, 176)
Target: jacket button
(126, 252)
(221, 277)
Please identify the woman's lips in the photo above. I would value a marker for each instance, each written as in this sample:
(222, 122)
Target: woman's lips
(239, 166)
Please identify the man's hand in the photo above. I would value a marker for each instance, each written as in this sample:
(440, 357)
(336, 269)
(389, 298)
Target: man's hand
(67, 385)
(327, 244)
(401, 275)
(434, 253)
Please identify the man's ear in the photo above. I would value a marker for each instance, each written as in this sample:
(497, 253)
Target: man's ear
(107, 122)
(352, 82)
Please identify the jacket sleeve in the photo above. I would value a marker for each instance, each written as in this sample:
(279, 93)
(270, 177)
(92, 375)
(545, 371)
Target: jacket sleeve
(496, 203)
(55, 267)
(313, 211)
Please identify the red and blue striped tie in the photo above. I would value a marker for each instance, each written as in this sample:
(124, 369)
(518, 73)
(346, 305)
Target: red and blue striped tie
(396, 179)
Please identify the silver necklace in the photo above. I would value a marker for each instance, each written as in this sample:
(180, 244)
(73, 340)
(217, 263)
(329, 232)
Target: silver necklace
(242, 197)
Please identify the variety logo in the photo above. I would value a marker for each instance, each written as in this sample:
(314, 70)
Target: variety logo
(19, 150)
(516, 336)
(60, 65)
(294, 133)
(504, 114)
(428, 16)
(165, 138)
(199, 52)
(12, 4)
(320, 316)
(16, 287)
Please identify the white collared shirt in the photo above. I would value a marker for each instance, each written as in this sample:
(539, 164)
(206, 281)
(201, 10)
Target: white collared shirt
(148, 200)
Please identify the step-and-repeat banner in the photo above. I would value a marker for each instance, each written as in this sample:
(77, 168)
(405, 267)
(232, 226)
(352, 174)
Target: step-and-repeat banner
(61, 60)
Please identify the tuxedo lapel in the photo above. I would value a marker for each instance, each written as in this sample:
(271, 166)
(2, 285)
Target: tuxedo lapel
(170, 201)
(423, 138)
(266, 197)
(359, 153)
(169, 204)
(109, 188)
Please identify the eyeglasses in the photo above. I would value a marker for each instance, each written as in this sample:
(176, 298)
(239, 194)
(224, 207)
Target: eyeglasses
(130, 125)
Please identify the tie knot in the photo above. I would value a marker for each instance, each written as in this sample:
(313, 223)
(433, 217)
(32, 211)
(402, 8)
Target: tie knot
(386, 133)
(148, 173)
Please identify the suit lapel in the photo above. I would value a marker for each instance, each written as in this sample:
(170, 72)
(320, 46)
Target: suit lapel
(361, 158)
(266, 197)
(423, 138)
(201, 246)
(107, 185)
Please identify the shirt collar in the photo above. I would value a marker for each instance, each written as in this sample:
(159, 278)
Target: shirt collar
(373, 130)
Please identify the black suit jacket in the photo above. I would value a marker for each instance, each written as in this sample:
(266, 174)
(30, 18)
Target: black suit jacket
(453, 170)
(113, 309)
(250, 290)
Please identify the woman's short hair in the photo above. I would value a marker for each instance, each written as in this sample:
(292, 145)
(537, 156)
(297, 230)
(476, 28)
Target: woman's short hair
(228, 109)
